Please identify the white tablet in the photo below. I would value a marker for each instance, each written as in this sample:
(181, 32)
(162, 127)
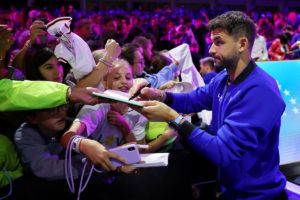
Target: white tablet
(117, 96)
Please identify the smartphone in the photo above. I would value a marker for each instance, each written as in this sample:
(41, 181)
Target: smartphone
(129, 152)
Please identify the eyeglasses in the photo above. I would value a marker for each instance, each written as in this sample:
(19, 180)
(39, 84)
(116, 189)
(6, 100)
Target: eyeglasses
(55, 111)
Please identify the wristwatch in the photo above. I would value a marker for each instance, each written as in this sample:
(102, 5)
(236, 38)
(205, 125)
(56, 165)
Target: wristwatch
(175, 124)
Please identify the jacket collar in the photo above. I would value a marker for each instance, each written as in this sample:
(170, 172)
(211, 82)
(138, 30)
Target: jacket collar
(245, 73)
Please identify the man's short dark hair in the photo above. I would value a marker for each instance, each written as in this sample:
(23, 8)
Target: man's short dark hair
(209, 61)
(236, 23)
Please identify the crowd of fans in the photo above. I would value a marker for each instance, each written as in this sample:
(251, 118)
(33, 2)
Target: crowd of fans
(165, 28)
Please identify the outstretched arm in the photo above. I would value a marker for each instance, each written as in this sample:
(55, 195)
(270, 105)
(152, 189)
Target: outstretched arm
(28, 95)
(112, 52)
(37, 29)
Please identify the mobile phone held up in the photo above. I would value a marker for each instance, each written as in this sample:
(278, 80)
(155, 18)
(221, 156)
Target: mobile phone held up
(129, 152)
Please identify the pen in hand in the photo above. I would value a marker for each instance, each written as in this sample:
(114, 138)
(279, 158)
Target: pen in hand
(138, 92)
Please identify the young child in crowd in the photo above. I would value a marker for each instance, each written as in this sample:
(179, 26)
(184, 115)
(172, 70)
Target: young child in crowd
(37, 141)
(43, 157)
(112, 124)
(115, 124)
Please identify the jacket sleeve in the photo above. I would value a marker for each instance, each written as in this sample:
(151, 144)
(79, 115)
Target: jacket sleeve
(243, 129)
(168, 73)
(36, 155)
(10, 166)
(27, 95)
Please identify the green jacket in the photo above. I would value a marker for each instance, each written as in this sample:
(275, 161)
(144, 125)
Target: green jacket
(28, 95)
(10, 166)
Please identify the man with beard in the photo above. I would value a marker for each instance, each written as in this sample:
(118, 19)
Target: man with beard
(242, 140)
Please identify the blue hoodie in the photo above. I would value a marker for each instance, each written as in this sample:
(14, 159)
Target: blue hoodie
(243, 137)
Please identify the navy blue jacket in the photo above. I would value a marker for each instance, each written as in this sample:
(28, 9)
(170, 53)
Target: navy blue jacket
(244, 132)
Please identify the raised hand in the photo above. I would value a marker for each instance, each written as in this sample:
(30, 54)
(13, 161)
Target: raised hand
(113, 50)
(38, 33)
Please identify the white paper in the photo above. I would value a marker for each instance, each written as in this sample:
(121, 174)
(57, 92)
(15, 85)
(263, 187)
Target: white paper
(153, 160)
(118, 96)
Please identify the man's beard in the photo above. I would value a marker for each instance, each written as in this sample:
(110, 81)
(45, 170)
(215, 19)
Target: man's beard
(229, 63)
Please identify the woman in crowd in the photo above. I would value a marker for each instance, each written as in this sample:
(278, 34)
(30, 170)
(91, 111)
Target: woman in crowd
(41, 64)
(280, 47)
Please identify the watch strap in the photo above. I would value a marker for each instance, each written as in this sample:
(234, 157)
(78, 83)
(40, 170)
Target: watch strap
(185, 129)
(175, 124)
(178, 119)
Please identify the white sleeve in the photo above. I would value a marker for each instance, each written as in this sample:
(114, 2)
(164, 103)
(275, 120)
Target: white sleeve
(265, 50)
(93, 117)
(186, 66)
(139, 128)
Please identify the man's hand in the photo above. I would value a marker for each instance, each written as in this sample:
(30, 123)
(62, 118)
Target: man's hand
(84, 95)
(151, 94)
(157, 111)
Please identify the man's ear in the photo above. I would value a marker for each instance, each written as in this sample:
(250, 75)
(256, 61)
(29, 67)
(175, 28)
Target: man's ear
(243, 44)
(205, 67)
